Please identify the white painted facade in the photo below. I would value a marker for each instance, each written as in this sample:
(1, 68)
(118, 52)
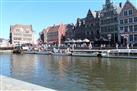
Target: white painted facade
(21, 34)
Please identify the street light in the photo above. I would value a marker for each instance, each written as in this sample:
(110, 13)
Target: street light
(126, 37)
(109, 38)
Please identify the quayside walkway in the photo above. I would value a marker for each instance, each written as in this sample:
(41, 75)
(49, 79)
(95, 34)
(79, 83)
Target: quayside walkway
(10, 84)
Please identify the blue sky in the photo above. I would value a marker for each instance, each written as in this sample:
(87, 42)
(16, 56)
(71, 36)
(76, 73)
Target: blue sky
(43, 13)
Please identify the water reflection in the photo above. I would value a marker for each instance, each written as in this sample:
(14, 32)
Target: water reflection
(72, 73)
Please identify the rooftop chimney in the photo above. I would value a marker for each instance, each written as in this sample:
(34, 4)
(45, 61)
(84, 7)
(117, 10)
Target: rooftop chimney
(120, 5)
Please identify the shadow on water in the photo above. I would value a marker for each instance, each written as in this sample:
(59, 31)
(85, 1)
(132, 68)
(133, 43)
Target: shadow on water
(68, 73)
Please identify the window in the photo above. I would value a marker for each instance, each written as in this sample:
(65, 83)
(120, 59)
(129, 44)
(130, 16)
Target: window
(135, 19)
(121, 22)
(131, 28)
(135, 37)
(130, 12)
(121, 28)
(17, 34)
(27, 31)
(17, 38)
(135, 27)
(125, 21)
(115, 19)
(115, 28)
(130, 20)
(27, 35)
(17, 30)
(125, 13)
(109, 29)
(27, 39)
(126, 28)
(131, 37)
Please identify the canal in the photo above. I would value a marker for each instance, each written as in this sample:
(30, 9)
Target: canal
(66, 73)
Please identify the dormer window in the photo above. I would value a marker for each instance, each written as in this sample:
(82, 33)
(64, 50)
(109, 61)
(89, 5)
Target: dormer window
(125, 13)
(130, 12)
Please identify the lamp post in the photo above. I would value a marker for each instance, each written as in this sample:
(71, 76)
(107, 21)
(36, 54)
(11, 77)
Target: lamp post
(127, 43)
(126, 36)
(109, 38)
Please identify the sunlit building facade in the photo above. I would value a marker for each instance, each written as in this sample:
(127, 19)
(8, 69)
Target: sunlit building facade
(21, 34)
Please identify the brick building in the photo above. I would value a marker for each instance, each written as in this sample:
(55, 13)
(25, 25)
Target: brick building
(43, 35)
(53, 34)
(20, 34)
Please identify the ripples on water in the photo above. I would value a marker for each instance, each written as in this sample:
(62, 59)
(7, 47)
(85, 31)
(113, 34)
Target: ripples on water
(72, 73)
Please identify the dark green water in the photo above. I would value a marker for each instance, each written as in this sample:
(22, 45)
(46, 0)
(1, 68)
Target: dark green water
(72, 73)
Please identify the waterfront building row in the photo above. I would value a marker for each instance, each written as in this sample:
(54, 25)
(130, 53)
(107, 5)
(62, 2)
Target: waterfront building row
(118, 24)
(115, 24)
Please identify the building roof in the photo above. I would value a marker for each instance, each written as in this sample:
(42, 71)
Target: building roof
(91, 14)
(125, 6)
(20, 26)
(128, 2)
(54, 28)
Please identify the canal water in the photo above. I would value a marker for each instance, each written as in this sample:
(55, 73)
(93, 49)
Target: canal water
(66, 73)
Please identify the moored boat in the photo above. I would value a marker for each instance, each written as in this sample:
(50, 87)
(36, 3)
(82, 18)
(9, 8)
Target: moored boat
(16, 51)
(43, 52)
(61, 54)
(86, 53)
(38, 52)
(29, 52)
(115, 53)
(122, 53)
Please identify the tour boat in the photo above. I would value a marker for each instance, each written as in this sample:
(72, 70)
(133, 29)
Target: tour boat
(114, 53)
(38, 52)
(29, 52)
(43, 52)
(85, 53)
(121, 53)
(61, 52)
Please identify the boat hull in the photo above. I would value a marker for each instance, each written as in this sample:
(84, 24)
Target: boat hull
(35, 52)
(61, 54)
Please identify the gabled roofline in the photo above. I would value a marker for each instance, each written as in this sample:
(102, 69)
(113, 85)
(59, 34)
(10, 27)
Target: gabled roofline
(130, 4)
